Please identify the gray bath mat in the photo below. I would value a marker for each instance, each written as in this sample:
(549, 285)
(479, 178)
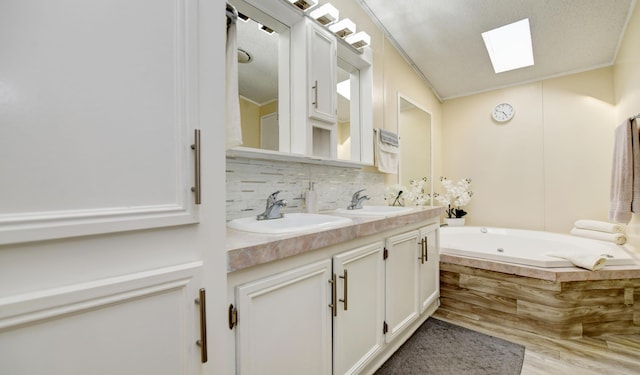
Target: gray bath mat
(441, 348)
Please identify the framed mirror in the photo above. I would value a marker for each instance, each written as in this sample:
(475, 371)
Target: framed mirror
(414, 130)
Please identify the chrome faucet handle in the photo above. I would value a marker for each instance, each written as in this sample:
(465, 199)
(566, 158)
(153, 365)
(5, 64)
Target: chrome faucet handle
(274, 195)
(356, 200)
(356, 195)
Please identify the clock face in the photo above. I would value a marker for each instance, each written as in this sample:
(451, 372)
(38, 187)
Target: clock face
(503, 112)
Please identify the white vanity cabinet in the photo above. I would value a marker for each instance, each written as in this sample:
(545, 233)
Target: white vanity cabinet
(284, 323)
(341, 309)
(357, 327)
(411, 274)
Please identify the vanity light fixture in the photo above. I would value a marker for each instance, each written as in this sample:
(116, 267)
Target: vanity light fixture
(266, 29)
(325, 14)
(243, 17)
(359, 39)
(304, 4)
(343, 28)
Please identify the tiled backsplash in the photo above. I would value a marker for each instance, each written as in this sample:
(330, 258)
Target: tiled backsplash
(250, 181)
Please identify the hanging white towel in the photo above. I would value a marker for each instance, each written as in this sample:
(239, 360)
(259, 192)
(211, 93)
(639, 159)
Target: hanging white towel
(234, 128)
(617, 238)
(600, 226)
(387, 149)
(587, 261)
(625, 173)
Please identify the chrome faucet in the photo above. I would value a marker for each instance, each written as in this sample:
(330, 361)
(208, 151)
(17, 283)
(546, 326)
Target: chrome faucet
(272, 211)
(356, 200)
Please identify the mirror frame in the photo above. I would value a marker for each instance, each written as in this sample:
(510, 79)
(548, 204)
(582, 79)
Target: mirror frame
(401, 97)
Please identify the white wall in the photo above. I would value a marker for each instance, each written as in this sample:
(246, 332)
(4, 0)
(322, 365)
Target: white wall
(548, 166)
(551, 164)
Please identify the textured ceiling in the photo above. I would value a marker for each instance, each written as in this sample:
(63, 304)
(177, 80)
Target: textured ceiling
(442, 38)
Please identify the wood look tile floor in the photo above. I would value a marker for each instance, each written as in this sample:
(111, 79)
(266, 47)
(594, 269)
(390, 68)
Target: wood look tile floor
(603, 355)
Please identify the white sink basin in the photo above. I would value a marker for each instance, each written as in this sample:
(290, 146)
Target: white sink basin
(290, 223)
(374, 211)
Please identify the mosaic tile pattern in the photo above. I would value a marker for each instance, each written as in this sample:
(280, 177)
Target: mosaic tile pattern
(250, 181)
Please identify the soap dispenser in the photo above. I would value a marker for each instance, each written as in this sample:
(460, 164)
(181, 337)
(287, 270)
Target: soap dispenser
(310, 199)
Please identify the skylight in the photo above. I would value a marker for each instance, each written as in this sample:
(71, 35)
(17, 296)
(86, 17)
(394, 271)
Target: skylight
(509, 46)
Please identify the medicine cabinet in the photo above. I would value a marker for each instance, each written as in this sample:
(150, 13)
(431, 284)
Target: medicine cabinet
(304, 92)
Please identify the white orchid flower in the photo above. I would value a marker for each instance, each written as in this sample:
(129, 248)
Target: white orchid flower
(456, 194)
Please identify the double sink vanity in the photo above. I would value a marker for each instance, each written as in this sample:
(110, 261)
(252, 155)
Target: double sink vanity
(336, 292)
(330, 293)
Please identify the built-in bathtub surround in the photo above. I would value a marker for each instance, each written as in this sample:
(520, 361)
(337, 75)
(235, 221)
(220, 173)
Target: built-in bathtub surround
(251, 181)
(554, 302)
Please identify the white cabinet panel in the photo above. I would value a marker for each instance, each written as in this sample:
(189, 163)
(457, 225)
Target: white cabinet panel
(402, 282)
(98, 105)
(99, 100)
(358, 325)
(322, 62)
(429, 267)
(284, 323)
(135, 324)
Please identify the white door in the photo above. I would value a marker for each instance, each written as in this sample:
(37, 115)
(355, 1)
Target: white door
(358, 323)
(402, 278)
(103, 247)
(284, 323)
(429, 267)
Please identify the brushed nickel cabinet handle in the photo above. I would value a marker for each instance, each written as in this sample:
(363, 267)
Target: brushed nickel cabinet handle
(202, 343)
(421, 257)
(334, 297)
(196, 148)
(345, 277)
(315, 95)
(426, 249)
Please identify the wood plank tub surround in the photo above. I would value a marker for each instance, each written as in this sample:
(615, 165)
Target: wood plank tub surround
(555, 308)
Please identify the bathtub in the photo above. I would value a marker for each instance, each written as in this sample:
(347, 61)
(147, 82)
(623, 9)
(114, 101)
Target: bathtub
(525, 247)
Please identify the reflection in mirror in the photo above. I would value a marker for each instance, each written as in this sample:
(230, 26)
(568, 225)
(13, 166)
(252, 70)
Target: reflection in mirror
(348, 87)
(414, 129)
(262, 44)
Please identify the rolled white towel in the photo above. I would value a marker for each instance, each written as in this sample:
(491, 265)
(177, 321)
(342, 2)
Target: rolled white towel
(587, 261)
(600, 226)
(617, 238)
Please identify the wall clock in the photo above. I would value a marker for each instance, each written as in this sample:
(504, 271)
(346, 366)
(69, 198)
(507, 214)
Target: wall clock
(503, 112)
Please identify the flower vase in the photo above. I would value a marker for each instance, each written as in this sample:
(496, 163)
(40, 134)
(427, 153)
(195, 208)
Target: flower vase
(454, 222)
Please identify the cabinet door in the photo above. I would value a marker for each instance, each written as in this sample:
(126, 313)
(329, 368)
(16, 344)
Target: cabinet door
(96, 124)
(360, 312)
(284, 323)
(402, 278)
(429, 266)
(322, 62)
